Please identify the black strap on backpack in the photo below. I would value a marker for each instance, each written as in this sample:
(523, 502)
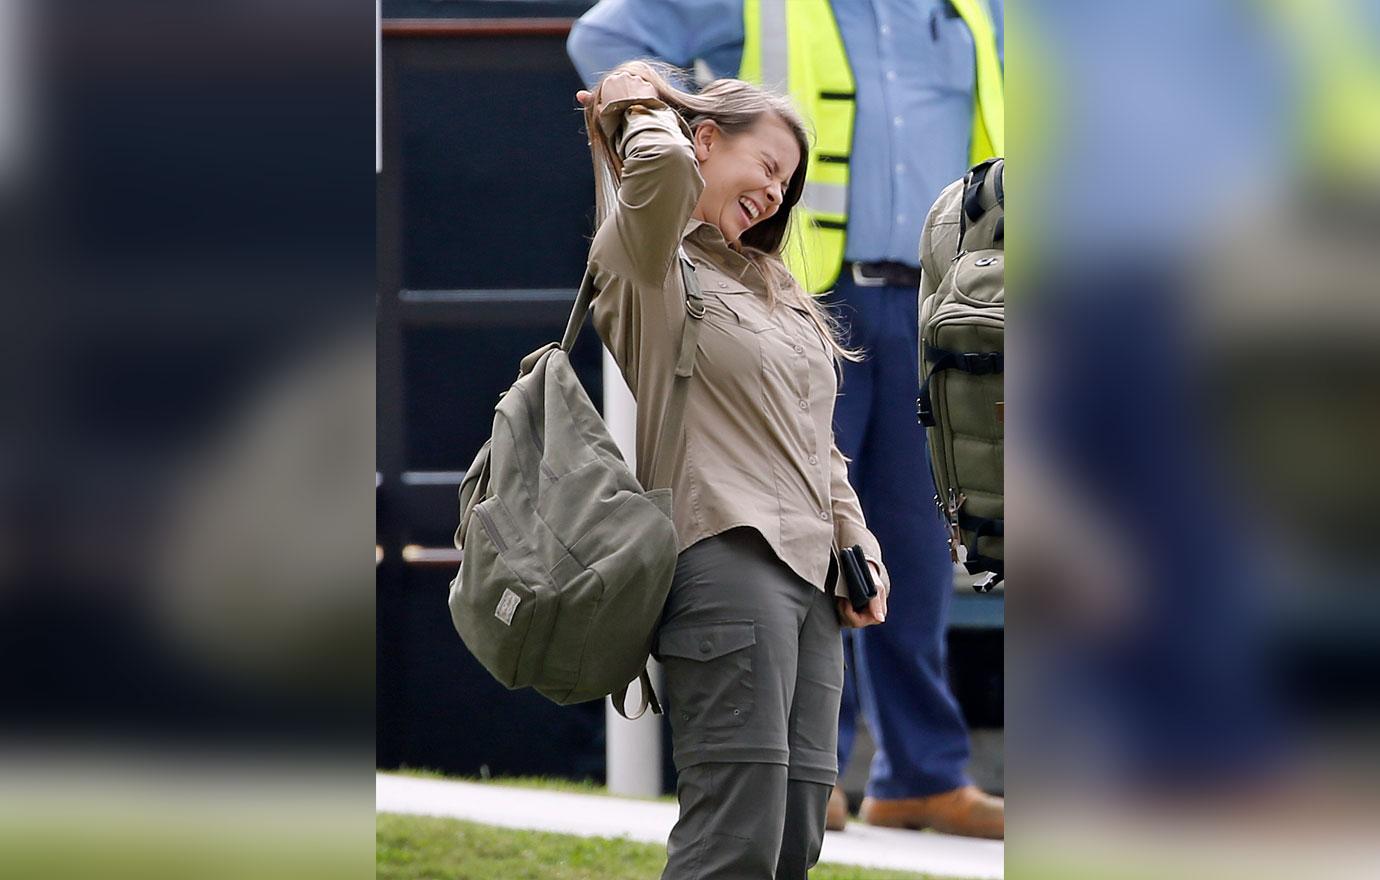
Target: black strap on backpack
(978, 363)
(981, 527)
(972, 209)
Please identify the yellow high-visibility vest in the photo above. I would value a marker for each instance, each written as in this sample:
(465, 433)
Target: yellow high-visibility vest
(794, 47)
(989, 100)
(1340, 76)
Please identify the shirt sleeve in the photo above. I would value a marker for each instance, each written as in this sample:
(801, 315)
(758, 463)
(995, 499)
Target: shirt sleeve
(660, 185)
(849, 526)
(674, 31)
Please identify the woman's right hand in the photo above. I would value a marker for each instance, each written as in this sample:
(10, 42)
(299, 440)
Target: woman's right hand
(629, 81)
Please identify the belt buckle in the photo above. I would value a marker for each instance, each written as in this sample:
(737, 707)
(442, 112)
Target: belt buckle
(862, 280)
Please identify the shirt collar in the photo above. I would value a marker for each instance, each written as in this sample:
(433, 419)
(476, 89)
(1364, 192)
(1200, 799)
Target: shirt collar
(709, 234)
(710, 238)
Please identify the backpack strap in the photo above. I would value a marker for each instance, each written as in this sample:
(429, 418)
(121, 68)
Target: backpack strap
(646, 701)
(660, 474)
(970, 206)
(685, 361)
(662, 458)
(671, 424)
(578, 311)
(978, 363)
(982, 527)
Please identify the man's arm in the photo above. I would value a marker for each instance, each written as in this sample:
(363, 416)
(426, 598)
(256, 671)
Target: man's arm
(674, 31)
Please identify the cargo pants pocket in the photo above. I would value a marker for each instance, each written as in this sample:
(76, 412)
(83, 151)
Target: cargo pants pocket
(709, 672)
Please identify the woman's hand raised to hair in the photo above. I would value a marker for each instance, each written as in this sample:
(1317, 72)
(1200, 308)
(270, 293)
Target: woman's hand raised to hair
(628, 81)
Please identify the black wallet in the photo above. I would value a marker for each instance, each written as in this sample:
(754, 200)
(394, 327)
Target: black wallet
(857, 576)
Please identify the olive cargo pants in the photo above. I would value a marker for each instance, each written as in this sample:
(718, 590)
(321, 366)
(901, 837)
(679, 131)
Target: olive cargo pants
(754, 674)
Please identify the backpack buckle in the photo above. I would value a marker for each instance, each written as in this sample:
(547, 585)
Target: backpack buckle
(923, 411)
(862, 280)
(980, 363)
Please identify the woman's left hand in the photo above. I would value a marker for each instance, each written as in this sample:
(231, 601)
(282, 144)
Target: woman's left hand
(874, 613)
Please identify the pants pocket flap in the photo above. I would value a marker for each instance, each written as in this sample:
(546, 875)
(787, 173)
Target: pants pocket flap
(707, 641)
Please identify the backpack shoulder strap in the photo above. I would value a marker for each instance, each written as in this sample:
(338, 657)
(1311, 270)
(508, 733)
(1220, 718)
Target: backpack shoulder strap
(578, 311)
(685, 361)
(645, 701)
(670, 427)
(662, 457)
(971, 204)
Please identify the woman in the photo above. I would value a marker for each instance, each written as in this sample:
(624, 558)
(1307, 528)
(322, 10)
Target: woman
(750, 635)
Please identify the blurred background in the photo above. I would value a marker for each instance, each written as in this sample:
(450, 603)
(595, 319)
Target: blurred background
(194, 331)
(187, 271)
(1194, 397)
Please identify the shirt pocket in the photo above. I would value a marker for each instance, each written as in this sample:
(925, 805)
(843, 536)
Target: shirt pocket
(749, 311)
(709, 672)
(714, 281)
(951, 66)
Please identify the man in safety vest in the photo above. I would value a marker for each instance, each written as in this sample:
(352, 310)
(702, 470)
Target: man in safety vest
(904, 95)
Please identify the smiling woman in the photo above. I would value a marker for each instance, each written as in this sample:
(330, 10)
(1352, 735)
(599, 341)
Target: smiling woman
(694, 204)
(748, 146)
(744, 180)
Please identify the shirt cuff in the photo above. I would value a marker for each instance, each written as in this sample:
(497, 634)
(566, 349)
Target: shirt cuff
(871, 550)
(612, 117)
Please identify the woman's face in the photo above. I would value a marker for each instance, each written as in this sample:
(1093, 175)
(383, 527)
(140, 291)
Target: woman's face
(745, 175)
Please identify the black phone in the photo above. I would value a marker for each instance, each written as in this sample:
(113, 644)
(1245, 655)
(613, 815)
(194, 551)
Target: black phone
(857, 576)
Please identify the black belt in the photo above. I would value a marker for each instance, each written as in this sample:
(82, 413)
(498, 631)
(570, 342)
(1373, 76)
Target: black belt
(884, 274)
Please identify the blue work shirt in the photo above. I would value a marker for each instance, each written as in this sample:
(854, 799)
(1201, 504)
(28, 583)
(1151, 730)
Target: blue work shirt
(913, 69)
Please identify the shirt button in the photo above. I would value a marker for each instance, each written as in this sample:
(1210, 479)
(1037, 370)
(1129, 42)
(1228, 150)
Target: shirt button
(897, 121)
(886, 29)
(900, 218)
(891, 75)
(804, 404)
(723, 284)
(814, 459)
(900, 168)
(706, 647)
(798, 349)
(824, 515)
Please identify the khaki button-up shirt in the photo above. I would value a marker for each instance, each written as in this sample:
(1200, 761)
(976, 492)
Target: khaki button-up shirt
(757, 446)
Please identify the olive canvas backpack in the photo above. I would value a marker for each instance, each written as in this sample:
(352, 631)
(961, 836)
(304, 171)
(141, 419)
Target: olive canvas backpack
(962, 325)
(567, 559)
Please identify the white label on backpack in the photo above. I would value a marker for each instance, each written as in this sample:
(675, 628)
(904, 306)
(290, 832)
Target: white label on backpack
(507, 604)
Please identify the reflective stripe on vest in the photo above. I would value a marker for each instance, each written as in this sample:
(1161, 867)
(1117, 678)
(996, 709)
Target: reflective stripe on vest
(793, 47)
(989, 105)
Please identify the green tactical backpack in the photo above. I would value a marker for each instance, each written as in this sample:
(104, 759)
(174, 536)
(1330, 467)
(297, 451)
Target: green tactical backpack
(962, 320)
(567, 558)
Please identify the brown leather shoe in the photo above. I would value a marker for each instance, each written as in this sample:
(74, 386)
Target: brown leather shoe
(968, 811)
(836, 816)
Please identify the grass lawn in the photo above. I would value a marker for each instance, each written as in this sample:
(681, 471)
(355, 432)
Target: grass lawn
(430, 848)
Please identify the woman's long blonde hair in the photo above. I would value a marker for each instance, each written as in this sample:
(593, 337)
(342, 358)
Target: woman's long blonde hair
(735, 107)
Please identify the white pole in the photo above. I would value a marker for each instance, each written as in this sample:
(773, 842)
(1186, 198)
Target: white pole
(632, 748)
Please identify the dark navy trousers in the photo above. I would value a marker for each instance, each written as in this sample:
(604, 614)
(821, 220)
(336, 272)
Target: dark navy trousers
(896, 671)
